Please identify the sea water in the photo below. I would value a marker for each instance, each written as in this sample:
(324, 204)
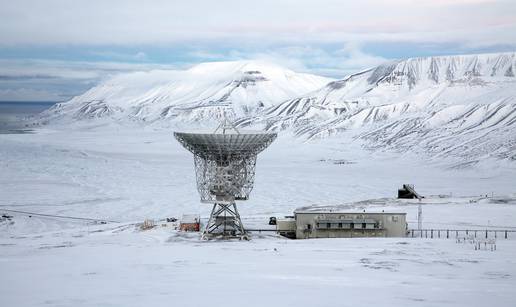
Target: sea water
(15, 117)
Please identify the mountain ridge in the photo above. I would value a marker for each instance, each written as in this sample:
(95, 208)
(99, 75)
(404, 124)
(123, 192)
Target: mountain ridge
(426, 105)
(205, 91)
(403, 104)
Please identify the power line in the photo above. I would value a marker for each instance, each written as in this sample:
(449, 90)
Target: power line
(59, 216)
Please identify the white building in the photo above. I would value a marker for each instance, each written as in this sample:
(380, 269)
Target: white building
(308, 224)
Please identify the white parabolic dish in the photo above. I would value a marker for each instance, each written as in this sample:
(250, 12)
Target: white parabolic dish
(225, 145)
(224, 168)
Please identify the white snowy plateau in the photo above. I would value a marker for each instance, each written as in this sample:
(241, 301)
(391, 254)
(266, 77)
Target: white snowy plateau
(446, 124)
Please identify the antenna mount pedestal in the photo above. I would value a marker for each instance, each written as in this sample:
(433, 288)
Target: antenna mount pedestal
(225, 222)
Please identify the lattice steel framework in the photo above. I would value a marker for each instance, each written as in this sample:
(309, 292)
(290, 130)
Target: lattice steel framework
(225, 165)
(216, 181)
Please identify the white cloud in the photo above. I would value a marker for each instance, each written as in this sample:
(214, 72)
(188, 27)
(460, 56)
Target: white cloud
(97, 22)
(48, 80)
(354, 59)
(28, 94)
(119, 56)
(347, 60)
(45, 80)
(77, 70)
(292, 33)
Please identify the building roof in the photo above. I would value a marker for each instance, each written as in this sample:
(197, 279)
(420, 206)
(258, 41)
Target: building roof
(308, 211)
(190, 218)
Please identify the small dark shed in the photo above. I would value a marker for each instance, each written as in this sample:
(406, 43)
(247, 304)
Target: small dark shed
(407, 191)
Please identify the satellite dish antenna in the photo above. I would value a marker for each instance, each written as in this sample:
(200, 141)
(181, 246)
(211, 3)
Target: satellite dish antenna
(225, 162)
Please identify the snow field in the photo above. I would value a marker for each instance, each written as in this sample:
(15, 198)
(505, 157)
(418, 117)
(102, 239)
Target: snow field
(128, 174)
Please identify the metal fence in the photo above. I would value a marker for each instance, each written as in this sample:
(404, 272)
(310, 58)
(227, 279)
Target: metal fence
(454, 233)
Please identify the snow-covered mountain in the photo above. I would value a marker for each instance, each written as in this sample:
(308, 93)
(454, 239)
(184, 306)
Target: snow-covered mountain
(240, 88)
(447, 105)
(462, 106)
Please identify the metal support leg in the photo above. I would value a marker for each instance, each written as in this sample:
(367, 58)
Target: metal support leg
(210, 220)
(225, 222)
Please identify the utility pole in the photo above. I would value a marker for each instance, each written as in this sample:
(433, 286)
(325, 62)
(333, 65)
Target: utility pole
(419, 216)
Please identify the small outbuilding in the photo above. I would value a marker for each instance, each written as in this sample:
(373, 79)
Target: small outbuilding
(190, 222)
(408, 191)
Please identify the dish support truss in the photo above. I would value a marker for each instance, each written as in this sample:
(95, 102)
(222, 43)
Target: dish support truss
(225, 222)
(225, 169)
(225, 180)
(222, 182)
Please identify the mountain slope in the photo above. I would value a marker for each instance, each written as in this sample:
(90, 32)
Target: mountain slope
(451, 105)
(459, 106)
(198, 94)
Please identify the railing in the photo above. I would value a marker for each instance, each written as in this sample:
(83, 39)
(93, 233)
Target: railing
(454, 233)
(260, 230)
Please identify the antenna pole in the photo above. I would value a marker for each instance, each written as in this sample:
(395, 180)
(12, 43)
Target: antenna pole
(226, 125)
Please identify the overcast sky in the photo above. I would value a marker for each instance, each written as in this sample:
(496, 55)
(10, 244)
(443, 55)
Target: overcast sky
(51, 50)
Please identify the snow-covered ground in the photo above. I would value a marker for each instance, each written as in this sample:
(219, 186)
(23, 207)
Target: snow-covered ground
(162, 268)
(127, 174)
